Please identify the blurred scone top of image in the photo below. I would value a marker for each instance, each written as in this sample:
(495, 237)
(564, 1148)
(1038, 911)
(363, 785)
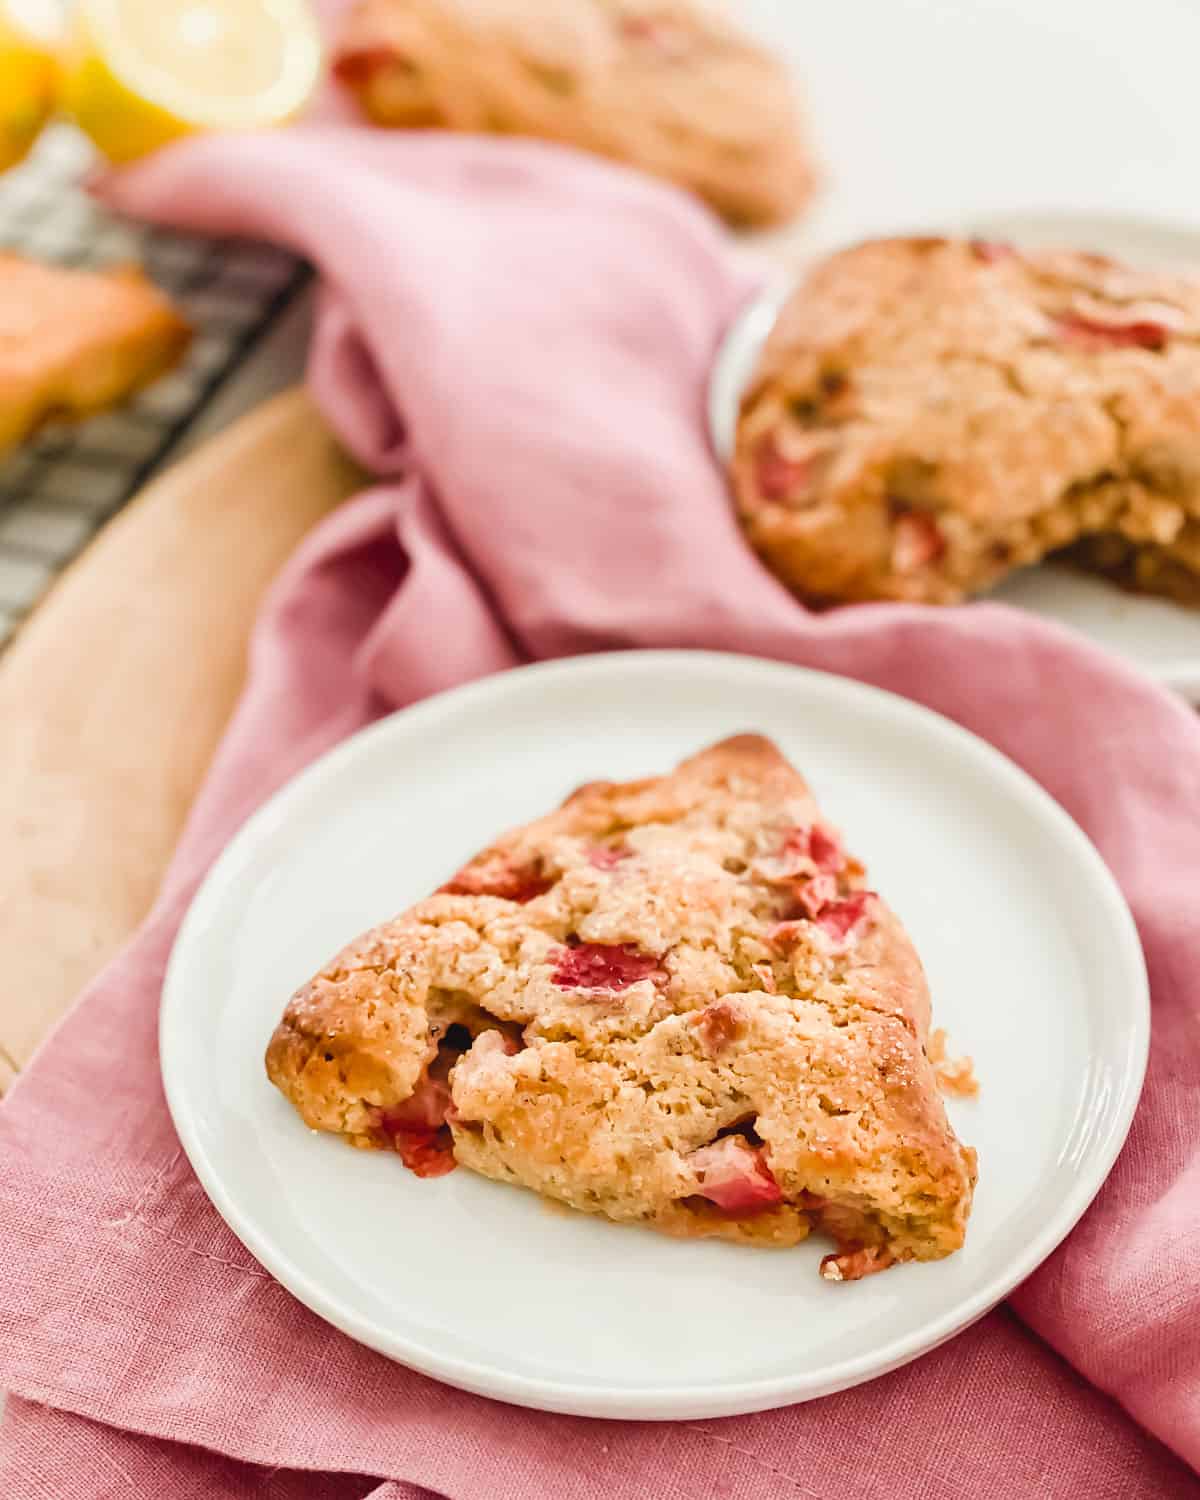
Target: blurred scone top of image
(930, 413)
(673, 87)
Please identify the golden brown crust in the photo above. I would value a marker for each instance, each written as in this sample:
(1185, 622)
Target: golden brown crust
(74, 342)
(929, 414)
(1171, 570)
(670, 86)
(349, 1041)
(674, 1002)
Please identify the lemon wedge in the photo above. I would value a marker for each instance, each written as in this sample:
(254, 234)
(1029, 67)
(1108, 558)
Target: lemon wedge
(28, 69)
(139, 73)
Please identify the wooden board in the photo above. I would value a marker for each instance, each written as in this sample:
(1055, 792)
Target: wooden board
(113, 698)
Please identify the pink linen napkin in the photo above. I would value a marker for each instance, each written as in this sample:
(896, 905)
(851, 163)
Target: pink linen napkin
(516, 340)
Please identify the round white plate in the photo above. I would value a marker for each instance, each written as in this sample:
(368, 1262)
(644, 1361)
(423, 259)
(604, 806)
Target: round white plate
(1032, 956)
(1161, 638)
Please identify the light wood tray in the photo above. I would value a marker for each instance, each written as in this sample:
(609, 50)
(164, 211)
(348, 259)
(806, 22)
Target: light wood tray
(113, 697)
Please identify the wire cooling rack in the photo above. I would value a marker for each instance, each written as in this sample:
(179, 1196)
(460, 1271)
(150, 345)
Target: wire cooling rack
(59, 488)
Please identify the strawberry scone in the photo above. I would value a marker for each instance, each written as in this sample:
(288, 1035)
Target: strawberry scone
(674, 1002)
(670, 86)
(929, 414)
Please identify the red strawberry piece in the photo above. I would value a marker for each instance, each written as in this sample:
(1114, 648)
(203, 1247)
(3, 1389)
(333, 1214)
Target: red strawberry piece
(853, 1262)
(427, 1153)
(734, 1175)
(840, 919)
(792, 859)
(1093, 334)
(814, 895)
(780, 478)
(825, 850)
(608, 856)
(718, 1025)
(602, 966)
(424, 1109)
(798, 843)
(916, 540)
(660, 34)
(499, 877)
(991, 250)
(801, 850)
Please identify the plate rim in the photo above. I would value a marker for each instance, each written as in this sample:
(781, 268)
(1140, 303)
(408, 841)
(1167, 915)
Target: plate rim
(658, 1402)
(745, 335)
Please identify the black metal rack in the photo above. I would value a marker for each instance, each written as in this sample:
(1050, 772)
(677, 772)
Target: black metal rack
(59, 488)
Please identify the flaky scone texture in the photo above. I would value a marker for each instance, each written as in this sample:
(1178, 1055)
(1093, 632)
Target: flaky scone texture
(670, 86)
(929, 414)
(672, 1002)
(73, 342)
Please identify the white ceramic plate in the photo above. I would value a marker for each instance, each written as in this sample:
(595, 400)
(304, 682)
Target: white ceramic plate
(1032, 955)
(1160, 637)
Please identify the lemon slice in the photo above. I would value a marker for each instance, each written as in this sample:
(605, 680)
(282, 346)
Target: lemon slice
(140, 73)
(28, 71)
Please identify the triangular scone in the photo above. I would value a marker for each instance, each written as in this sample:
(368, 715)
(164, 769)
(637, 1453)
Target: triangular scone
(672, 1001)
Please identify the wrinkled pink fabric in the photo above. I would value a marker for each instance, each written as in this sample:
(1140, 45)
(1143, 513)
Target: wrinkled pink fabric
(516, 341)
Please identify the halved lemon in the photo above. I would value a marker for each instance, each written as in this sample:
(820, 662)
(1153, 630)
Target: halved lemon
(140, 73)
(28, 69)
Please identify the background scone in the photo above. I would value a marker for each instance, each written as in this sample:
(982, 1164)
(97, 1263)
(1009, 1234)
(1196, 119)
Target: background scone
(929, 414)
(74, 342)
(671, 87)
(673, 1002)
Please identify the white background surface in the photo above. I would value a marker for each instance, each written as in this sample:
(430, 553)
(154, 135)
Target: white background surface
(1033, 962)
(924, 109)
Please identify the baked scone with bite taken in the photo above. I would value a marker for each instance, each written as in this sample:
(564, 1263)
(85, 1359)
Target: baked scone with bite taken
(73, 342)
(671, 86)
(674, 1002)
(929, 414)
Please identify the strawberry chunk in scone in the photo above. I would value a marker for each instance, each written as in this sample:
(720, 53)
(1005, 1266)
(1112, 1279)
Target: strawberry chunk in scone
(734, 1175)
(416, 1129)
(602, 966)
